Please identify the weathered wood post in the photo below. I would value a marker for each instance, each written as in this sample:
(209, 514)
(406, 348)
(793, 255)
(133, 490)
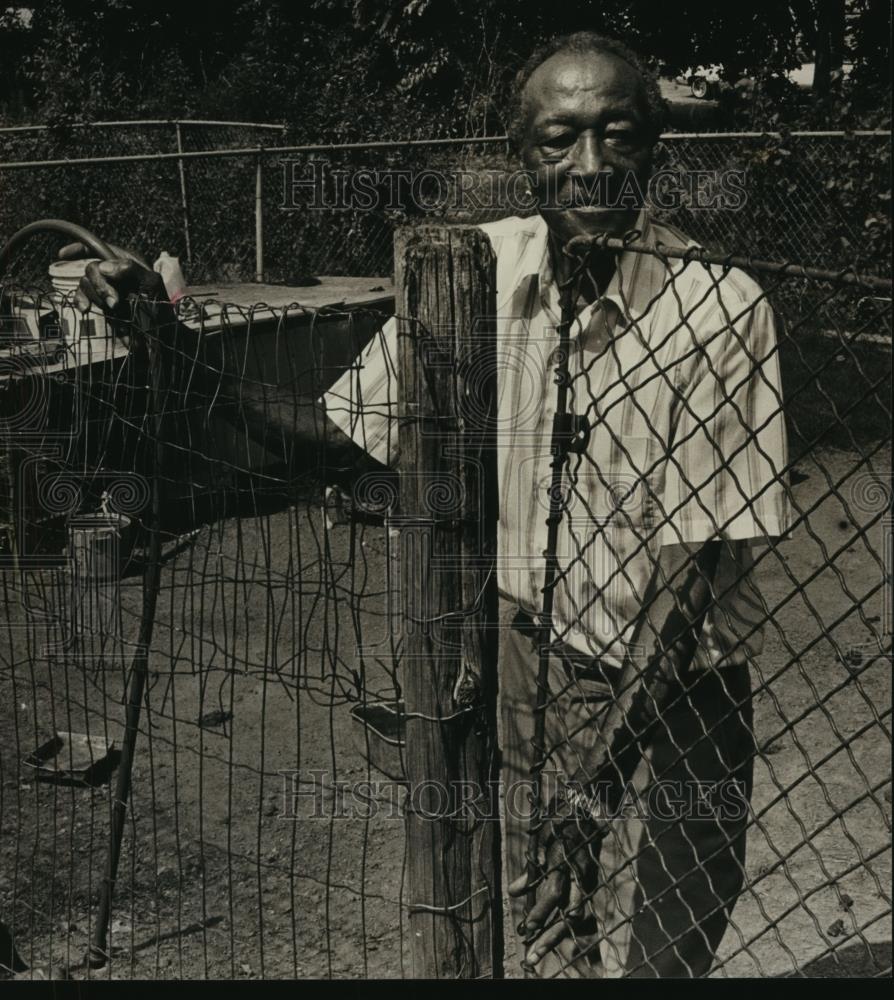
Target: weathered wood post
(446, 307)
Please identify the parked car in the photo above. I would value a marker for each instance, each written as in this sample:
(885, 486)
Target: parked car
(703, 81)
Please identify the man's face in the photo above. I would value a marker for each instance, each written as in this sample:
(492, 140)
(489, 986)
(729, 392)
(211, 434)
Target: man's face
(587, 142)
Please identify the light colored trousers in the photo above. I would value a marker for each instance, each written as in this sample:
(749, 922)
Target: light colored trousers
(671, 867)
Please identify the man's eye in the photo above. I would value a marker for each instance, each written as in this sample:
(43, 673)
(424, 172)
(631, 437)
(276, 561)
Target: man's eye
(561, 141)
(622, 137)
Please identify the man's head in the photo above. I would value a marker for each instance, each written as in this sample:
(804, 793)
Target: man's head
(585, 119)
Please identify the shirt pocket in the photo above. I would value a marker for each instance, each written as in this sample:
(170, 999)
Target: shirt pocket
(624, 481)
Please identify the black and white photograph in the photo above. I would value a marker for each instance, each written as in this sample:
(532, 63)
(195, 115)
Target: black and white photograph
(446, 506)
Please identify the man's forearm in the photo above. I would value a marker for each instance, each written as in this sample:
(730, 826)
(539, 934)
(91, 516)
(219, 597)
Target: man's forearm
(298, 428)
(666, 637)
(288, 423)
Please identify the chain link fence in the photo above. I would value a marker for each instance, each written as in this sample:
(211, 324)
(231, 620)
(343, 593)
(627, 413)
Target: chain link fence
(241, 202)
(695, 625)
(657, 848)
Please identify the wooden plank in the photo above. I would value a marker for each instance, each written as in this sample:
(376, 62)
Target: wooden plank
(448, 511)
(331, 291)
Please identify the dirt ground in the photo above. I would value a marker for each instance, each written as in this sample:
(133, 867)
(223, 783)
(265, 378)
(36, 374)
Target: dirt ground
(225, 874)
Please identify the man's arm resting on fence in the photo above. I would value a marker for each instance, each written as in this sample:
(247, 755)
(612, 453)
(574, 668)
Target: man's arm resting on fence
(667, 634)
(300, 428)
(292, 425)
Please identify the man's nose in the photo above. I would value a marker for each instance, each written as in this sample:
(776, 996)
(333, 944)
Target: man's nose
(588, 157)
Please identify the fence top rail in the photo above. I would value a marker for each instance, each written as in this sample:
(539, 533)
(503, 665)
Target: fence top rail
(141, 121)
(458, 140)
(353, 147)
(846, 276)
(280, 127)
(242, 151)
(830, 134)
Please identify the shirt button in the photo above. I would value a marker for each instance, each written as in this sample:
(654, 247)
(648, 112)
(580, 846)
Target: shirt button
(555, 357)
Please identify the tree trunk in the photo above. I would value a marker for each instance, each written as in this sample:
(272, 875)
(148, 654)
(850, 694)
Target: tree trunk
(829, 45)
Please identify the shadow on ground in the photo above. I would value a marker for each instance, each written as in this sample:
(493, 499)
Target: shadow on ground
(855, 961)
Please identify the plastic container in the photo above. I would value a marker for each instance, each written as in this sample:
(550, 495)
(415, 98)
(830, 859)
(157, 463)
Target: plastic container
(65, 275)
(171, 274)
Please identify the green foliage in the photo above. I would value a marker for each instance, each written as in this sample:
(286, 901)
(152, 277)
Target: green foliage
(352, 69)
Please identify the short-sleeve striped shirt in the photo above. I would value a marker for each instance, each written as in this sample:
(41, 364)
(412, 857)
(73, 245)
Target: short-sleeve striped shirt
(676, 370)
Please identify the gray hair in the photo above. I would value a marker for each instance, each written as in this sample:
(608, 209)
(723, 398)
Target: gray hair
(580, 42)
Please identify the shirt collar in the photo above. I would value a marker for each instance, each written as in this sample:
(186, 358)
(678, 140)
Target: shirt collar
(638, 277)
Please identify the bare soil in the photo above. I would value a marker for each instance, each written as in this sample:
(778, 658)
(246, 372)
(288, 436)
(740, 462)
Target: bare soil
(225, 874)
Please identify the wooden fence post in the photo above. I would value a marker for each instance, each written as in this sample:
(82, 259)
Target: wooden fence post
(446, 309)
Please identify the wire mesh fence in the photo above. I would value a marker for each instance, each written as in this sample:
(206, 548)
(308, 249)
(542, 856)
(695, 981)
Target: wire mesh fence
(643, 703)
(283, 211)
(707, 400)
(245, 732)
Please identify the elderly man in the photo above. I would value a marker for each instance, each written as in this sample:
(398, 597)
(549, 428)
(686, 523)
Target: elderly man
(647, 752)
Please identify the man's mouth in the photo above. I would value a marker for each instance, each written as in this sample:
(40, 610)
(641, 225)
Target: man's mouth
(580, 201)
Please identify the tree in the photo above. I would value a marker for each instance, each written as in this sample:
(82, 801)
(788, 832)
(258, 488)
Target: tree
(353, 69)
(822, 26)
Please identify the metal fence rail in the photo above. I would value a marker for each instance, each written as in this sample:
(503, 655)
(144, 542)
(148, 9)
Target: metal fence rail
(265, 829)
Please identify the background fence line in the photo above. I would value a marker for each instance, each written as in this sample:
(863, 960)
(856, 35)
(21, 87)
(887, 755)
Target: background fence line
(810, 196)
(198, 122)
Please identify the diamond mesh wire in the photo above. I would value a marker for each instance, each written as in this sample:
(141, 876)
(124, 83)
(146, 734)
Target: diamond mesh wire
(662, 881)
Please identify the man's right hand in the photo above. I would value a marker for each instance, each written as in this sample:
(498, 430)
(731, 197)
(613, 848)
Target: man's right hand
(561, 918)
(106, 283)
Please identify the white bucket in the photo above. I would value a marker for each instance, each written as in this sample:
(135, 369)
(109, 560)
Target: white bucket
(65, 276)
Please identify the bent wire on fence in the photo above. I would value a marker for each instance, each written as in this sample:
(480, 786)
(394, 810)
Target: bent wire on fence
(248, 846)
(749, 403)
